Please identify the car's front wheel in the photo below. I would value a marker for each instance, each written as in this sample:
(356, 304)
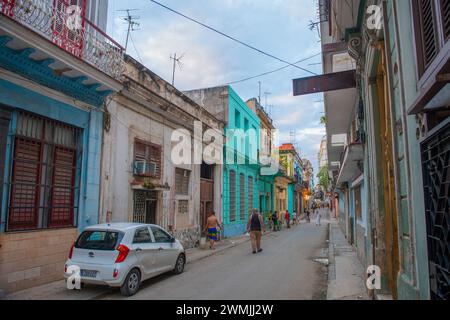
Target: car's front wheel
(131, 284)
(179, 266)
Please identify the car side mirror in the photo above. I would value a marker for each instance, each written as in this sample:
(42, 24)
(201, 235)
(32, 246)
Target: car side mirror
(172, 240)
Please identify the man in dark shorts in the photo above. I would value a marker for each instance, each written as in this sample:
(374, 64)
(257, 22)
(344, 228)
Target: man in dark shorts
(275, 221)
(255, 226)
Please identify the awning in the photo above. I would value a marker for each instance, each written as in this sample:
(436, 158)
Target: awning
(327, 82)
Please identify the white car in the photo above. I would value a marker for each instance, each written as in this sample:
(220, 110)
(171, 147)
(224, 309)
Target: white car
(124, 254)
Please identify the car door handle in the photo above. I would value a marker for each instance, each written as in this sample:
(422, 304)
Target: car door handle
(161, 249)
(138, 249)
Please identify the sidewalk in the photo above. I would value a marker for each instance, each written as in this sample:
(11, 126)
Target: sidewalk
(58, 291)
(345, 271)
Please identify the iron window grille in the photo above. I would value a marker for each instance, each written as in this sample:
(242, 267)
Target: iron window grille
(45, 174)
(232, 196)
(242, 196)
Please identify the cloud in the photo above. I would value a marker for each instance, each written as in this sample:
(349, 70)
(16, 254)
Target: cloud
(199, 66)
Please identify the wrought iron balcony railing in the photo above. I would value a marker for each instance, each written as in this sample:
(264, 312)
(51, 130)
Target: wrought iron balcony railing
(67, 28)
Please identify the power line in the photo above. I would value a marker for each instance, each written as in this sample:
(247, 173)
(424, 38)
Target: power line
(232, 38)
(135, 49)
(273, 71)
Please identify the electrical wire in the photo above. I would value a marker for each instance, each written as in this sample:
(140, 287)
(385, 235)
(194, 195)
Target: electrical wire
(231, 38)
(273, 71)
(135, 49)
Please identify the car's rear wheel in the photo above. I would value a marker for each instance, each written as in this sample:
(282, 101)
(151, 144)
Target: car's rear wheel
(131, 284)
(179, 266)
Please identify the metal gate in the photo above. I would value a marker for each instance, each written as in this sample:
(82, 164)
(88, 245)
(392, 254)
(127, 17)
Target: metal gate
(436, 176)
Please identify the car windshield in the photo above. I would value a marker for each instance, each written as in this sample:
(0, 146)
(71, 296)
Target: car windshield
(99, 240)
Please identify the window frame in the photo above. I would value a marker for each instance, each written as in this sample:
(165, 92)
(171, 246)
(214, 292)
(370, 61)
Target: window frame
(426, 73)
(45, 176)
(159, 162)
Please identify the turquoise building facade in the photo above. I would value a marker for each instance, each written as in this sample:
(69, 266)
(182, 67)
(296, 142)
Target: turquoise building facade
(241, 169)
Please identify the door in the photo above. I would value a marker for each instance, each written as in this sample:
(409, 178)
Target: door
(146, 250)
(167, 253)
(150, 211)
(388, 223)
(206, 194)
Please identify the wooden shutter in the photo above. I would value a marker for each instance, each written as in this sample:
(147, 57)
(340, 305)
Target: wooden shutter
(242, 196)
(232, 196)
(149, 153)
(428, 34)
(23, 210)
(445, 10)
(63, 187)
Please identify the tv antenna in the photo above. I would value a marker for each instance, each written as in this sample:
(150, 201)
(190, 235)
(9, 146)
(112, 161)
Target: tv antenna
(175, 62)
(132, 24)
(266, 94)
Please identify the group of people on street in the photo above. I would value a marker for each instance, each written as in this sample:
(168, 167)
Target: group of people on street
(256, 226)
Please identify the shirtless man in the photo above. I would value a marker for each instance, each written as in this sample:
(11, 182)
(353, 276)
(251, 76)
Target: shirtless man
(211, 227)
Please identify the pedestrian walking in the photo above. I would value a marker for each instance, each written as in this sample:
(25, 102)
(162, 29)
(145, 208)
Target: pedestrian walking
(294, 218)
(308, 218)
(287, 216)
(212, 225)
(318, 218)
(255, 226)
(275, 221)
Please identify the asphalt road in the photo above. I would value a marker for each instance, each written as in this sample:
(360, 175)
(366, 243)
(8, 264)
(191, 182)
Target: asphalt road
(284, 270)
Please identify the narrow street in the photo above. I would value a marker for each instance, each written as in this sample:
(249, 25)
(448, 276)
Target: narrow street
(284, 270)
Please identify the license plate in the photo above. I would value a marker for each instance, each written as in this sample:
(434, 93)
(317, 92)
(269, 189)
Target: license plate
(89, 273)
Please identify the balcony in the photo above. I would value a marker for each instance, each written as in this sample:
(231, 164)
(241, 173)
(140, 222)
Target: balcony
(350, 163)
(68, 30)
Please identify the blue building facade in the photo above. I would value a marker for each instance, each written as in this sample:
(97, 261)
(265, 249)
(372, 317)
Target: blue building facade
(241, 169)
(52, 106)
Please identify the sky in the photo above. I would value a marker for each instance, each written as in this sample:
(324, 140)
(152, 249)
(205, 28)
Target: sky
(279, 27)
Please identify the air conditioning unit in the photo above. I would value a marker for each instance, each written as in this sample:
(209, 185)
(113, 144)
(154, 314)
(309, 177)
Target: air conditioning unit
(144, 168)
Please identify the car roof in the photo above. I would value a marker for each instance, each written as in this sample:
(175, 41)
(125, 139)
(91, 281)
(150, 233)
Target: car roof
(118, 226)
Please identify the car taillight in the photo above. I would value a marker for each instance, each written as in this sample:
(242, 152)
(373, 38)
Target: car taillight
(65, 268)
(123, 253)
(115, 273)
(71, 251)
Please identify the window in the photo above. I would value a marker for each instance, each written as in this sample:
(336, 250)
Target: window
(183, 206)
(142, 235)
(160, 235)
(147, 159)
(358, 212)
(182, 181)
(242, 196)
(232, 196)
(432, 31)
(207, 171)
(45, 174)
(250, 195)
(99, 240)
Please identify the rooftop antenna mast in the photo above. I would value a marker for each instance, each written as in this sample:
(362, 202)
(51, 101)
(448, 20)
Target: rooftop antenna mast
(175, 62)
(266, 94)
(132, 24)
